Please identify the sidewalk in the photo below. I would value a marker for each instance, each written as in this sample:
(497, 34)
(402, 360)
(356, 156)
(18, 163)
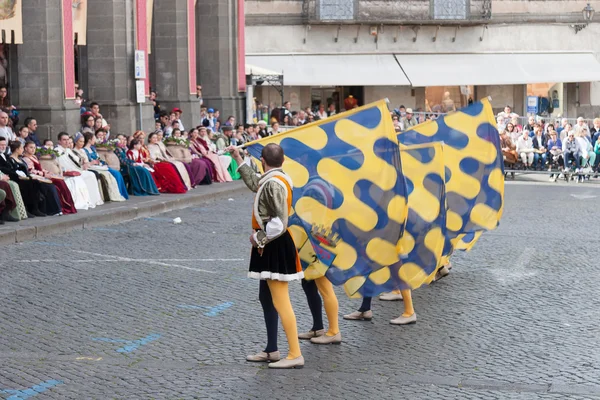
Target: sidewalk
(114, 213)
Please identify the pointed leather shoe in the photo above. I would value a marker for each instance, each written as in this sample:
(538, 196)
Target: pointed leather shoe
(335, 339)
(391, 297)
(288, 364)
(359, 316)
(311, 334)
(264, 357)
(405, 320)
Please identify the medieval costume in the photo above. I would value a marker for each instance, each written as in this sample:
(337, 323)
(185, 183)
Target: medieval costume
(274, 260)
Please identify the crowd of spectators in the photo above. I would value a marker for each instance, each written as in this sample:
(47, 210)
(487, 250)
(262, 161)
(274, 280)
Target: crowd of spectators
(81, 171)
(538, 145)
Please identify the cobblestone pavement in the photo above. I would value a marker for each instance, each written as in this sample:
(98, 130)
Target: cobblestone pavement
(155, 310)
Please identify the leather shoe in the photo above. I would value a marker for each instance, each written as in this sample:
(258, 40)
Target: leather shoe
(264, 357)
(38, 213)
(360, 316)
(288, 364)
(391, 297)
(8, 218)
(30, 215)
(401, 320)
(335, 339)
(311, 334)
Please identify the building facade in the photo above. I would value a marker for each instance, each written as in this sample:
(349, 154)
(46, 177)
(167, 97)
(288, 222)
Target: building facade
(61, 44)
(428, 53)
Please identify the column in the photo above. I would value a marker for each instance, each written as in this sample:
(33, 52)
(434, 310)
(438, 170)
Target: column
(174, 58)
(217, 56)
(111, 48)
(40, 84)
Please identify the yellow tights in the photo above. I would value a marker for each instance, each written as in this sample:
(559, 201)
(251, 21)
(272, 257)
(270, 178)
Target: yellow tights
(281, 300)
(408, 303)
(330, 302)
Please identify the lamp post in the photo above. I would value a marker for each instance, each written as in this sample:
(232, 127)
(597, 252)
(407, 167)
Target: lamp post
(588, 14)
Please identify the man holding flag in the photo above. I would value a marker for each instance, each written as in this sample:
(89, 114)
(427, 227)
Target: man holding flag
(274, 259)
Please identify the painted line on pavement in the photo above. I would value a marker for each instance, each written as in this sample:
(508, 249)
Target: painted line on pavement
(130, 345)
(125, 259)
(32, 391)
(212, 311)
(137, 260)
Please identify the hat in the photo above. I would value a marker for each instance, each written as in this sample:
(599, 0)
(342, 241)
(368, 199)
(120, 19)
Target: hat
(262, 122)
(177, 110)
(409, 110)
(211, 110)
(227, 128)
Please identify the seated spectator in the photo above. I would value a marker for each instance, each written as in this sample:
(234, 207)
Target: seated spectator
(101, 135)
(586, 150)
(35, 168)
(140, 175)
(224, 159)
(571, 151)
(508, 149)
(5, 130)
(198, 170)
(512, 133)
(9, 206)
(48, 144)
(530, 124)
(96, 163)
(396, 123)
(165, 174)
(23, 134)
(595, 131)
(597, 151)
(159, 154)
(409, 121)
(554, 146)
(517, 124)
(525, 149)
(321, 113)
(88, 121)
(199, 146)
(262, 129)
(8, 107)
(539, 146)
(581, 126)
(565, 132)
(40, 197)
(500, 124)
(32, 125)
(274, 128)
(70, 162)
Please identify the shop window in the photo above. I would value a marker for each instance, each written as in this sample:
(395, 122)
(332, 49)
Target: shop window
(450, 9)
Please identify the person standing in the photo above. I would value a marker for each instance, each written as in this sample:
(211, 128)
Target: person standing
(274, 259)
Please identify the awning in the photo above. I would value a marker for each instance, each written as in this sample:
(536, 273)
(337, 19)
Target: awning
(498, 69)
(257, 71)
(334, 70)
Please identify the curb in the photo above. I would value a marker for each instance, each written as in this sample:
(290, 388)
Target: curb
(115, 215)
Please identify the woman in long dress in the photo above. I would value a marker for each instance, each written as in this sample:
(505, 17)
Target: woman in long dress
(92, 155)
(19, 212)
(165, 174)
(159, 154)
(40, 195)
(35, 168)
(108, 184)
(198, 170)
(71, 164)
(200, 147)
(141, 179)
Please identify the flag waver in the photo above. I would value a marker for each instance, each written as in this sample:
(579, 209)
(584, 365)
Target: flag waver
(349, 193)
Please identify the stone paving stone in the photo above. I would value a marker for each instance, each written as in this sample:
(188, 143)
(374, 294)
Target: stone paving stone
(515, 319)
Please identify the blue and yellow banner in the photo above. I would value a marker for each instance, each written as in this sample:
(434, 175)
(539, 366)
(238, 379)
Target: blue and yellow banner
(474, 171)
(422, 244)
(349, 193)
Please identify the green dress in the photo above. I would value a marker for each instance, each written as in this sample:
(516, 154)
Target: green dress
(232, 169)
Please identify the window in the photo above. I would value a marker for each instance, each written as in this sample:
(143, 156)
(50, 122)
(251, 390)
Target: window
(336, 10)
(450, 9)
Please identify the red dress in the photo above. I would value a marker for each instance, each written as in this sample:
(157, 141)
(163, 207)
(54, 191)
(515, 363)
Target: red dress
(165, 174)
(66, 200)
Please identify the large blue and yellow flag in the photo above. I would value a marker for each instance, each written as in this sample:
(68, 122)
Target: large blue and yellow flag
(422, 244)
(349, 193)
(474, 171)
